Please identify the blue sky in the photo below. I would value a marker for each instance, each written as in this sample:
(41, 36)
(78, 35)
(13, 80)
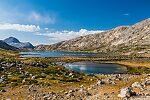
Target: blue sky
(51, 21)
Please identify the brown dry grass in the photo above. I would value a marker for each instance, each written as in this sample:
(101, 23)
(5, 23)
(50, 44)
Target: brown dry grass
(134, 63)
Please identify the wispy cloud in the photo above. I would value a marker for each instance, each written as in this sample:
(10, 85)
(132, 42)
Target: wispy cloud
(126, 14)
(19, 27)
(41, 18)
(66, 35)
(32, 17)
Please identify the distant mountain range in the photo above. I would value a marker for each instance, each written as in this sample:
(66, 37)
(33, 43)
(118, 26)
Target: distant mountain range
(12, 43)
(16, 43)
(135, 38)
(123, 39)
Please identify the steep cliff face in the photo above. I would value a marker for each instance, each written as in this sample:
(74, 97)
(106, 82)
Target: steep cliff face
(120, 39)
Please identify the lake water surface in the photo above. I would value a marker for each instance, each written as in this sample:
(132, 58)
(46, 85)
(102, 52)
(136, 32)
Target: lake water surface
(95, 68)
(59, 54)
(84, 67)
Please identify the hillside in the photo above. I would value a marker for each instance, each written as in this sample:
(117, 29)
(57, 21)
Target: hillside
(135, 38)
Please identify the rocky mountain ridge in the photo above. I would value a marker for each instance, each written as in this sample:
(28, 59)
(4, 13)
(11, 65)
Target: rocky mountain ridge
(135, 38)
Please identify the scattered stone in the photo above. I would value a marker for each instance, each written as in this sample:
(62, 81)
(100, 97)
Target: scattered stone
(146, 82)
(86, 93)
(138, 85)
(81, 86)
(100, 82)
(81, 89)
(2, 90)
(33, 77)
(24, 80)
(125, 92)
(108, 81)
(31, 86)
(1, 69)
(70, 74)
(1, 80)
(4, 77)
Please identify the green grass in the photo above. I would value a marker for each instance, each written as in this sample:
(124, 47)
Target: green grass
(54, 74)
(138, 70)
(2, 84)
(43, 76)
(2, 89)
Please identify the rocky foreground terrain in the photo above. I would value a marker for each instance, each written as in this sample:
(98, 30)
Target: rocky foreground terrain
(107, 87)
(43, 79)
(123, 39)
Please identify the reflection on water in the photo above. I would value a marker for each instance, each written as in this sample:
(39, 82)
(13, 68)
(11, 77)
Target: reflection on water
(94, 68)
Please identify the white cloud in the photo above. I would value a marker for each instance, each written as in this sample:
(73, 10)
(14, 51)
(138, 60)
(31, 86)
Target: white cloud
(19, 27)
(66, 35)
(41, 18)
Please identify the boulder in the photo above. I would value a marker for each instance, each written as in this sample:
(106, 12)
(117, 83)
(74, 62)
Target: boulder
(137, 85)
(24, 80)
(4, 77)
(125, 92)
(100, 82)
(146, 82)
(1, 80)
(1, 69)
(33, 77)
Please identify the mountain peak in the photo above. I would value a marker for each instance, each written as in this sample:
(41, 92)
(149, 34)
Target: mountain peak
(16, 43)
(4, 45)
(11, 40)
